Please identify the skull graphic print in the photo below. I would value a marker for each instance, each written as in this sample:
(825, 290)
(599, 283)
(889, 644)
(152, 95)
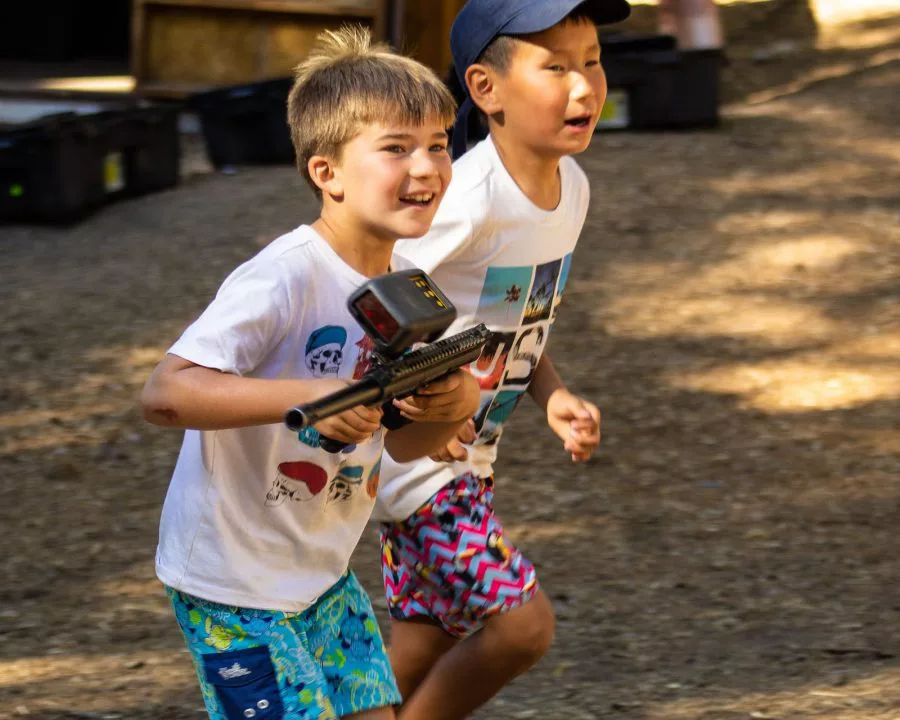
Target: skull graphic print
(325, 351)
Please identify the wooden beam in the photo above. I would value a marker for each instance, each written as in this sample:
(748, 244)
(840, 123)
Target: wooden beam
(308, 7)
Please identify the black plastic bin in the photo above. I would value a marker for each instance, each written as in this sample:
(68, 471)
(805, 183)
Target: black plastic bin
(658, 89)
(61, 159)
(246, 124)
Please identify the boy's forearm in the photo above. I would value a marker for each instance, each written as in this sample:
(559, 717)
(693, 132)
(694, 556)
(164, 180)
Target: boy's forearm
(420, 439)
(182, 395)
(545, 382)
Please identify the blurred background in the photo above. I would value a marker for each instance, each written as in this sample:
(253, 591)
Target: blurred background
(729, 554)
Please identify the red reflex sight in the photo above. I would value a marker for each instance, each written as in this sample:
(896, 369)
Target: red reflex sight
(381, 320)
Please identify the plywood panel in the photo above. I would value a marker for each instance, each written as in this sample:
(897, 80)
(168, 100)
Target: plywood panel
(184, 45)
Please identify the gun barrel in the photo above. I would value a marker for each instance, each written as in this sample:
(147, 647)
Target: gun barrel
(361, 393)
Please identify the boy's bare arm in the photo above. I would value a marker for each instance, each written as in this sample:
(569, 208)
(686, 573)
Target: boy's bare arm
(575, 421)
(181, 394)
(439, 412)
(545, 382)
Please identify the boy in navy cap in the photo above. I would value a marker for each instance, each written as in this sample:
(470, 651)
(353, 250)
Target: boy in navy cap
(468, 615)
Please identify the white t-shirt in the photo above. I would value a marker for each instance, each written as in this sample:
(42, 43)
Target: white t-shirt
(502, 261)
(258, 517)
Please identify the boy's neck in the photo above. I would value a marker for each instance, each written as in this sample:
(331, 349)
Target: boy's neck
(536, 175)
(368, 255)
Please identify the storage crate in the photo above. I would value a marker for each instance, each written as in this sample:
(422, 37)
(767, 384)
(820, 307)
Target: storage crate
(62, 158)
(246, 124)
(657, 89)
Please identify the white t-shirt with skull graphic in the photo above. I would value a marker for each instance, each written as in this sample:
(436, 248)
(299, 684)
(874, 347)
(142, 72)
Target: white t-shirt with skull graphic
(260, 517)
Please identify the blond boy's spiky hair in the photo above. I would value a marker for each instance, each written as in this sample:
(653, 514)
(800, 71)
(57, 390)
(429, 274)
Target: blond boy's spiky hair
(346, 82)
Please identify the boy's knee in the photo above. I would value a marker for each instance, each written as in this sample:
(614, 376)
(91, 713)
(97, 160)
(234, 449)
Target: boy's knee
(527, 632)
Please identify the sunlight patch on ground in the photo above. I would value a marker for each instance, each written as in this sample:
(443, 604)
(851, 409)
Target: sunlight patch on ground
(45, 441)
(543, 531)
(753, 316)
(757, 222)
(94, 669)
(27, 418)
(865, 699)
(128, 356)
(812, 252)
(795, 385)
(812, 182)
(883, 347)
(139, 590)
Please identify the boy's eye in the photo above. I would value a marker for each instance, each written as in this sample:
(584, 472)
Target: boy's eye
(394, 149)
(592, 63)
(555, 68)
(439, 147)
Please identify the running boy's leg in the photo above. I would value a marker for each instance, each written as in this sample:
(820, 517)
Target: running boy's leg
(478, 667)
(449, 572)
(416, 647)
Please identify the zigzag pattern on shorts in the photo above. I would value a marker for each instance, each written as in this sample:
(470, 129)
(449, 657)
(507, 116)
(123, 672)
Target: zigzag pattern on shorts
(477, 560)
(450, 561)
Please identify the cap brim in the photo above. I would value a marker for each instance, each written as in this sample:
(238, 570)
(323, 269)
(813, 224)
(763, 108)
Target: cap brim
(545, 14)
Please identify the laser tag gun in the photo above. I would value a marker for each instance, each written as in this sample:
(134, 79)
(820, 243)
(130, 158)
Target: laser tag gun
(396, 310)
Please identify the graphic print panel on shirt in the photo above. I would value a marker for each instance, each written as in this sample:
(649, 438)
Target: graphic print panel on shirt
(525, 354)
(488, 369)
(325, 351)
(503, 295)
(540, 298)
(561, 285)
(494, 413)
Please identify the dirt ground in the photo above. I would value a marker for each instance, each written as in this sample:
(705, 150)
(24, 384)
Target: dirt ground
(732, 551)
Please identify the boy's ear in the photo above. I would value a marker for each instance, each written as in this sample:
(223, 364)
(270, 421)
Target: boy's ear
(481, 82)
(323, 171)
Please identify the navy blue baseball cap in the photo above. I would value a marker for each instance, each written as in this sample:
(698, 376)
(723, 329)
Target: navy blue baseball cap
(480, 21)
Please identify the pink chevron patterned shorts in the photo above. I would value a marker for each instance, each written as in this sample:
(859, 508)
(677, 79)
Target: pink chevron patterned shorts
(450, 562)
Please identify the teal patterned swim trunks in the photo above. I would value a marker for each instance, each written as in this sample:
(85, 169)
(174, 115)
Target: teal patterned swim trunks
(325, 662)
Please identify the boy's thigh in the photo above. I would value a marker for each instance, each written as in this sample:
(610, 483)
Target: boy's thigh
(265, 665)
(452, 562)
(343, 634)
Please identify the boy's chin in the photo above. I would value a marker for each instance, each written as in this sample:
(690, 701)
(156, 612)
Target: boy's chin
(412, 229)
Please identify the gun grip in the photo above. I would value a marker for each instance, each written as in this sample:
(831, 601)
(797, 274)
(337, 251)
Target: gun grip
(330, 445)
(391, 417)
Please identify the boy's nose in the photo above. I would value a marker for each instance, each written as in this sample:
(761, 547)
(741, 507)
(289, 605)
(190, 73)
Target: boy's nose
(423, 164)
(582, 88)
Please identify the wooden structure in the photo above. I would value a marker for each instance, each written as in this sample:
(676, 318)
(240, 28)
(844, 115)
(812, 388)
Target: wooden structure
(180, 46)
(424, 31)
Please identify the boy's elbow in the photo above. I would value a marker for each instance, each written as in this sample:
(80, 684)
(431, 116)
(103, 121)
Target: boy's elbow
(156, 406)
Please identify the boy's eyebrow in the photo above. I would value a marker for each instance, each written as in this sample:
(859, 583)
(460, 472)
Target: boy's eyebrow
(565, 51)
(406, 136)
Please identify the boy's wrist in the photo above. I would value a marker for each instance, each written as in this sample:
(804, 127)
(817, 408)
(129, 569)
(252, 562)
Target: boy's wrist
(471, 399)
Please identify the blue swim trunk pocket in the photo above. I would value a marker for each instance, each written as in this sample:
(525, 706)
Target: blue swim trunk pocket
(245, 684)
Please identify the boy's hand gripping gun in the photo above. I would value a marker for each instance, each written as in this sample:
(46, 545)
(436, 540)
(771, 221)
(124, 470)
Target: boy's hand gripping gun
(396, 310)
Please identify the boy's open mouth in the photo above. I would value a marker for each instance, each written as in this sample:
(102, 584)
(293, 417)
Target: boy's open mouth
(422, 199)
(581, 121)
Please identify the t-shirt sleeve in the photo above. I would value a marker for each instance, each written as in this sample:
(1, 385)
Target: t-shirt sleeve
(249, 316)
